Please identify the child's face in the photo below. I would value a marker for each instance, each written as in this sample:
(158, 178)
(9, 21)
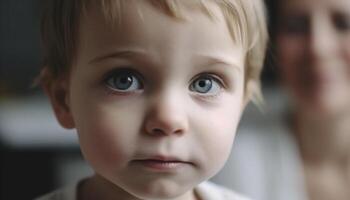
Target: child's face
(156, 101)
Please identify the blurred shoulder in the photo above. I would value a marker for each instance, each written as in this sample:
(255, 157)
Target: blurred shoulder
(211, 191)
(66, 193)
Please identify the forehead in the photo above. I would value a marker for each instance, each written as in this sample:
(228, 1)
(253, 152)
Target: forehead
(133, 15)
(141, 25)
(289, 6)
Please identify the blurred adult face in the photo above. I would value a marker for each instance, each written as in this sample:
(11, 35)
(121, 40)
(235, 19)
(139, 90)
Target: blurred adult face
(313, 50)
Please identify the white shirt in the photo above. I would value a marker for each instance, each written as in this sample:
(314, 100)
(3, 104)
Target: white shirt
(205, 190)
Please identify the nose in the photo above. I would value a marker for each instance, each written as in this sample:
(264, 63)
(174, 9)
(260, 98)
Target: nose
(323, 38)
(166, 116)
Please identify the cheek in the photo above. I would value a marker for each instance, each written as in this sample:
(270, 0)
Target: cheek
(290, 55)
(347, 52)
(222, 126)
(288, 48)
(106, 136)
(215, 132)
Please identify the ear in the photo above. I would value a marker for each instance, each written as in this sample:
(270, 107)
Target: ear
(253, 93)
(250, 87)
(58, 92)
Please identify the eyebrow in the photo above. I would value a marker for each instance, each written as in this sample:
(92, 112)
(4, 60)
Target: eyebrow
(211, 59)
(120, 53)
(214, 59)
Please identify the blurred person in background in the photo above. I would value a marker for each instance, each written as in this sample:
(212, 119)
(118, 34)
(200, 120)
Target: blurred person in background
(305, 153)
(313, 52)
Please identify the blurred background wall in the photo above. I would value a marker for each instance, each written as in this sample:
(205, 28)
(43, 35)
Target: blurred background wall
(19, 49)
(36, 154)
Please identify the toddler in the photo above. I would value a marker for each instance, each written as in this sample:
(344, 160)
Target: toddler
(155, 90)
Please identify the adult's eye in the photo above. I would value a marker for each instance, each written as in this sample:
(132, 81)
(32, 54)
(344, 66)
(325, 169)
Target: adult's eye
(295, 25)
(124, 81)
(341, 22)
(206, 85)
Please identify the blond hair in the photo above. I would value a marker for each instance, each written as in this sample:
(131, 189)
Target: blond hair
(245, 20)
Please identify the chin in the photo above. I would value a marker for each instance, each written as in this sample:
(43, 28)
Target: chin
(159, 191)
(156, 196)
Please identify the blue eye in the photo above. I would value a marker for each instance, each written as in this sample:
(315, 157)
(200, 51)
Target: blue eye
(124, 81)
(206, 85)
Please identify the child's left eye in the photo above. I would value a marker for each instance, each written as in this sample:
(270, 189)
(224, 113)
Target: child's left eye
(206, 85)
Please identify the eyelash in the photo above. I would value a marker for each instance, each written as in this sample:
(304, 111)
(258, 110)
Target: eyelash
(204, 75)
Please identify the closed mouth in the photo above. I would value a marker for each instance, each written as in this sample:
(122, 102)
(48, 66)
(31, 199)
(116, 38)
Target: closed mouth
(162, 163)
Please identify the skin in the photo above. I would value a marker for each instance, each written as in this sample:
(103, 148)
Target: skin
(313, 47)
(313, 51)
(163, 114)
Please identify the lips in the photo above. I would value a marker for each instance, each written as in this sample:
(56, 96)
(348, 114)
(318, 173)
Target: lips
(162, 163)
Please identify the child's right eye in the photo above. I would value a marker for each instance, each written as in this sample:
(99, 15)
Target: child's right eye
(124, 81)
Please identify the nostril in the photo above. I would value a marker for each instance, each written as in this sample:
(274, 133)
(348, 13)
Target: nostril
(157, 131)
(179, 131)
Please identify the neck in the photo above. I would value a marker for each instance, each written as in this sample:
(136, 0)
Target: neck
(323, 139)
